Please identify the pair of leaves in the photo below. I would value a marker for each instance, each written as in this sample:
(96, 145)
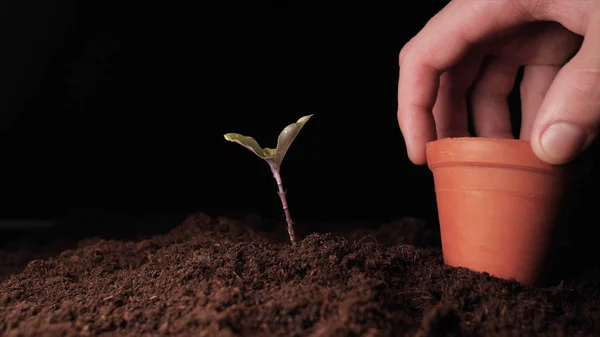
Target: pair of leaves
(286, 137)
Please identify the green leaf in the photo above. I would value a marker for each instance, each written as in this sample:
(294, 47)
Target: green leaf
(286, 137)
(251, 144)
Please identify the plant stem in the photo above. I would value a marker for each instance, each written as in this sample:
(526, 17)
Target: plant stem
(286, 209)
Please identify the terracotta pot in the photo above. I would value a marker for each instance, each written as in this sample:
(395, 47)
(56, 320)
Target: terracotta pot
(497, 204)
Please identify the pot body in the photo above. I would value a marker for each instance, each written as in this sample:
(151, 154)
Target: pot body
(497, 204)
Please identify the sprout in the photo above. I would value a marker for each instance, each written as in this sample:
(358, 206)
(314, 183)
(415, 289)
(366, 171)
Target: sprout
(274, 157)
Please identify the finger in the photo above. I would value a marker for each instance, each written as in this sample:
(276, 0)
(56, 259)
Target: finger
(489, 98)
(543, 47)
(543, 43)
(450, 109)
(534, 86)
(569, 116)
(440, 45)
(415, 119)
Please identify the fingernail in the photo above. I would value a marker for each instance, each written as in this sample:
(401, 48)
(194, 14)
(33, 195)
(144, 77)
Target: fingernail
(562, 142)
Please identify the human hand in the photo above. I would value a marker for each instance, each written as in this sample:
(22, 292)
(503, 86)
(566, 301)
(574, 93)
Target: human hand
(470, 52)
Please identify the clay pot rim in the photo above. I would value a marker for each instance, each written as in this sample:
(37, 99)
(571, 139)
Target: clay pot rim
(486, 151)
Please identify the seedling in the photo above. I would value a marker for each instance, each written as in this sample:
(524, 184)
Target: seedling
(274, 157)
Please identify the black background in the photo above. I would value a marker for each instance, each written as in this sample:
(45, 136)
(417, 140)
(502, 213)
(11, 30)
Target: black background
(122, 106)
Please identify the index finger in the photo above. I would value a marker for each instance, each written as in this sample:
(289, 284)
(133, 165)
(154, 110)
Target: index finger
(440, 45)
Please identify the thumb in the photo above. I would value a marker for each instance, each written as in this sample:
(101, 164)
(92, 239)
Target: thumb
(569, 117)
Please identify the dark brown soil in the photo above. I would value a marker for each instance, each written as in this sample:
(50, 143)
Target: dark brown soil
(225, 277)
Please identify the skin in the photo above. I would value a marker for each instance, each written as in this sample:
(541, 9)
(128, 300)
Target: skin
(467, 57)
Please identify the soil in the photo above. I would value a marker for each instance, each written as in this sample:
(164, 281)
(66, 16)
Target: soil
(219, 276)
